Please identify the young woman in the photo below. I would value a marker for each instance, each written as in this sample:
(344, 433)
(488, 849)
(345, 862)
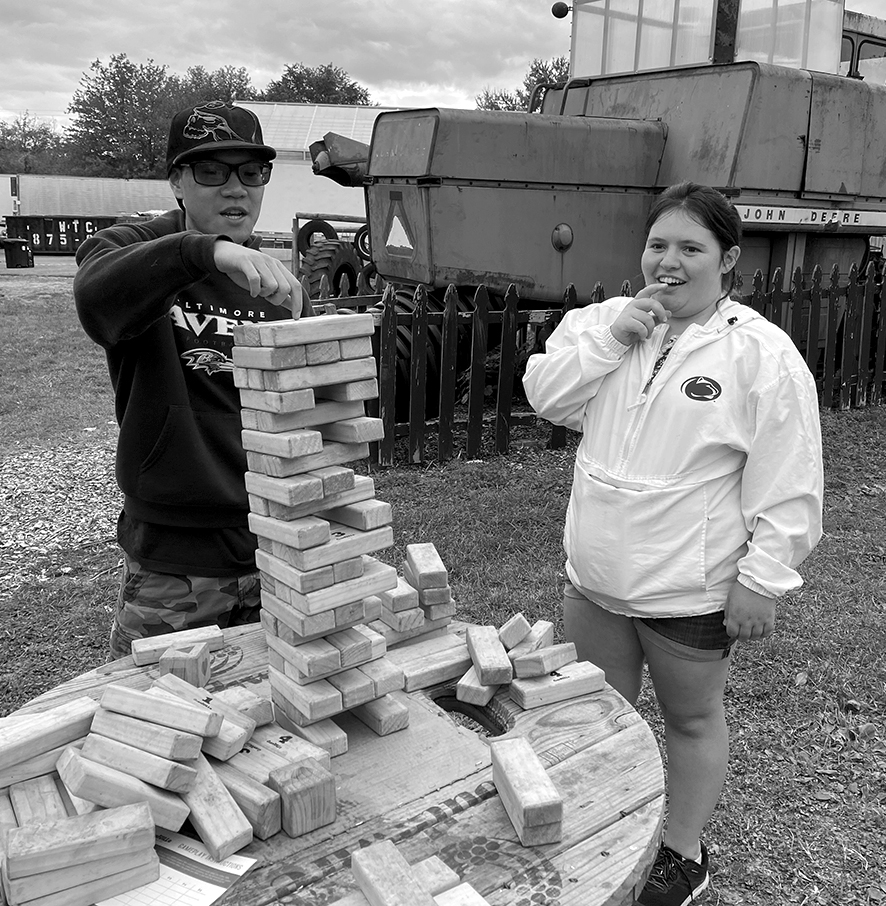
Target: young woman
(696, 493)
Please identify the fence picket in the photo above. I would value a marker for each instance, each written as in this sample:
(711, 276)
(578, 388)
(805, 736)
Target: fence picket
(387, 375)
(479, 346)
(506, 370)
(448, 374)
(418, 375)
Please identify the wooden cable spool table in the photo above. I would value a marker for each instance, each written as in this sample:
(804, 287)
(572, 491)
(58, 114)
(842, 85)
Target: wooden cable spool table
(429, 790)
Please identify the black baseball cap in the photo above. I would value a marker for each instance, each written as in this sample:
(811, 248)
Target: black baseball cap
(214, 126)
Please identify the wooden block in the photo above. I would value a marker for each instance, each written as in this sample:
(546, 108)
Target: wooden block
(439, 611)
(402, 597)
(526, 790)
(36, 800)
(254, 761)
(287, 444)
(313, 377)
(360, 430)
(545, 660)
(207, 699)
(270, 401)
(352, 568)
(288, 745)
(59, 726)
(189, 663)
(336, 479)
(431, 662)
(323, 353)
(386, 878)
(74, 805)
(429, 597)
(364, 488)
(149, 650)
(38, 887)
(307, 795)
(384, 715)
(215, 816)
(345, 542)
(461, 895)
(392, 637)
(163, 741)
(179, 715)
(102, 888)
(307, 532)
(349, 391)
(302, 581)
(300, 332)
(426, 566)
(363, 515)
(514, 630)
(110, 788)
(355, 687)
(355, 348)
(7, 817)
(540, 835)
(403, 620)
(435, 875)
(579, 678)
(153, 769)
(81, 839)
(284, 467)
(470, 689)
(385, 676)
(325, 734)
(259, 804)
(41, 764)
(489, 655)
(256, 707)
(320, 414)
(231, 736)
(312, 659)
(295, 491)
(303, 625)
(269, 358)
(353, 646)
(541, 635)
(308, 703)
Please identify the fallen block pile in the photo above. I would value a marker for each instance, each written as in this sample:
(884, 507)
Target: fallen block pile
(329, 608)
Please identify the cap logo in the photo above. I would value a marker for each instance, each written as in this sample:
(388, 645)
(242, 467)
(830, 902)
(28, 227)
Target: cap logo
(204, 123)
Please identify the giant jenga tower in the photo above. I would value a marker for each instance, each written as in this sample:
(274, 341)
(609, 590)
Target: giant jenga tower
(302, 387)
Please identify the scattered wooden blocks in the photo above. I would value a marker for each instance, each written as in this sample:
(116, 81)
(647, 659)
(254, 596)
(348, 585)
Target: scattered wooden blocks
(307, 795)
(469, 689)
(383, 715)
(168, 712)
(540, 635)
(153, 769)
(514, 631)
(325, 734)
(462, 895)
(527, 793)
(259, 804)
(36, 800)
(258, 709)
(166, 742)
(149, 650)
(425, 567)
(544, 660)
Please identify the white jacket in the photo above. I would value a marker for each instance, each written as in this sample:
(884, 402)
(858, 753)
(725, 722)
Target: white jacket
(711, 472)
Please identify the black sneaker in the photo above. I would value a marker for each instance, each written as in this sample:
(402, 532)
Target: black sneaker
(674, 881)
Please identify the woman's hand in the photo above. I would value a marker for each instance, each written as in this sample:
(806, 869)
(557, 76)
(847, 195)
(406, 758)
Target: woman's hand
(749, 616)
(640, 316)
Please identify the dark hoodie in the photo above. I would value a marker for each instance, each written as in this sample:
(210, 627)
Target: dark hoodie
(150, 294)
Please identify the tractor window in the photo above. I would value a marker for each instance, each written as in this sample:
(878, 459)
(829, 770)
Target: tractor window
(847, 52)
(872, 62)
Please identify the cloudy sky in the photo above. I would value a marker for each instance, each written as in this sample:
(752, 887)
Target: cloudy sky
(405, 52)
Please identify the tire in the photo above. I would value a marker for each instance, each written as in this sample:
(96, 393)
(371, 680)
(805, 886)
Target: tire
(334, 259)
(362, 245)
(304, 239)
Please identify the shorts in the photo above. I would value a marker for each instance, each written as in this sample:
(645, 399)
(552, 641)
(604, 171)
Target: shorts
(694, 638)
(151, 603)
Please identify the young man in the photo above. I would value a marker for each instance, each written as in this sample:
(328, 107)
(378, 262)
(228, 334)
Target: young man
(162, 298)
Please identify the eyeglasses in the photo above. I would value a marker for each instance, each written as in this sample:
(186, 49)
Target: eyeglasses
(215, 173)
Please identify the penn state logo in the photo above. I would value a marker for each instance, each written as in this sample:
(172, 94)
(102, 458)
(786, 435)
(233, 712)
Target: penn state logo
(701, 388)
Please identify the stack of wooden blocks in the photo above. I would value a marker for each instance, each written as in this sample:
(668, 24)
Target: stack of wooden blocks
(79, 860)
(328, 607)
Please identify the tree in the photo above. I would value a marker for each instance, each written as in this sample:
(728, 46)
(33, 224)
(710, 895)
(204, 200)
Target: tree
(229, 83)
(121, 120)
(325, 84)
(540, 71)
(29, 145)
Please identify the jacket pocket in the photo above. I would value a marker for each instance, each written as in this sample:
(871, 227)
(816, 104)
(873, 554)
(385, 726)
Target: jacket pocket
(198, 460)
(636, 545)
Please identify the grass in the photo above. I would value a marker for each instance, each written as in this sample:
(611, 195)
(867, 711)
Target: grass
(802, 818)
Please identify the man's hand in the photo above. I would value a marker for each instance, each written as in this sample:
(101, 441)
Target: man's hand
(640, 316)
(259, 274)
(749, 616)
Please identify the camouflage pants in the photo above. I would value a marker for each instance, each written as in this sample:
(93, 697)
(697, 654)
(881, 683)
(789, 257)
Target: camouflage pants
(151, 603)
